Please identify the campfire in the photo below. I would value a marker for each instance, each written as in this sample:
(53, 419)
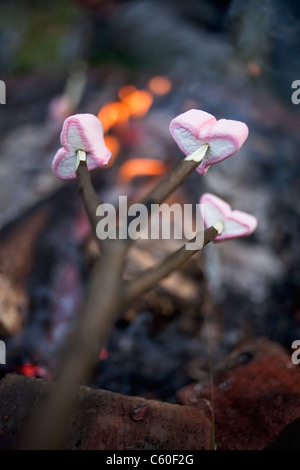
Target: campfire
(118, 117)
(205, 141)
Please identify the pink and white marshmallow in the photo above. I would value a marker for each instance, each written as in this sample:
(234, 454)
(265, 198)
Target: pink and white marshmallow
(230, 224)
(202, 138)
(81, 137)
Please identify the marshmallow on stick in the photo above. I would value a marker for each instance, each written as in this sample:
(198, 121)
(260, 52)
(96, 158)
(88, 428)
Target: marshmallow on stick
(202, 138)
(230, 224)
(82, 140)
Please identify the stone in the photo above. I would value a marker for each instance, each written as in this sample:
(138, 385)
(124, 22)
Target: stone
(105, 420)
(256, 395)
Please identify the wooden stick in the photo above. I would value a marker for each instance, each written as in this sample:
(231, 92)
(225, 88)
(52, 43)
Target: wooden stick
(170, 182)
(105, 297)
(86, 191)
(97, 317)
(151, 277)
(166, 187)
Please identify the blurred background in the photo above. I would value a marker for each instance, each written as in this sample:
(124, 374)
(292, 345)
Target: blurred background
(138, 64)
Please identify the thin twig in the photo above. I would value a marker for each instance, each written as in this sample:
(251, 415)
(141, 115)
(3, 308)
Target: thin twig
(151, 277)
(164, 188)
(86, 191)
(170, 182)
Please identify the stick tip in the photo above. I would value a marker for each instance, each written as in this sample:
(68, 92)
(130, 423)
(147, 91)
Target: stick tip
(81, 157)
(199, 154)
(219, 227)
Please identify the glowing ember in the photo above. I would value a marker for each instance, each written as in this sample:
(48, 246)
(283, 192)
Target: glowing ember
(28, 369)
(31, 370)
(253, 69)
(103, 354)
(159, 85)
(139, 102)
(140, 167)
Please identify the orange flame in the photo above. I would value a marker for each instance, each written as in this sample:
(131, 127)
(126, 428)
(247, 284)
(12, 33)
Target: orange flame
(159, 85)
(113, 144)
(135, 103)
(140, 167)
(112, 113)
(139, 102)
(125, 91)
